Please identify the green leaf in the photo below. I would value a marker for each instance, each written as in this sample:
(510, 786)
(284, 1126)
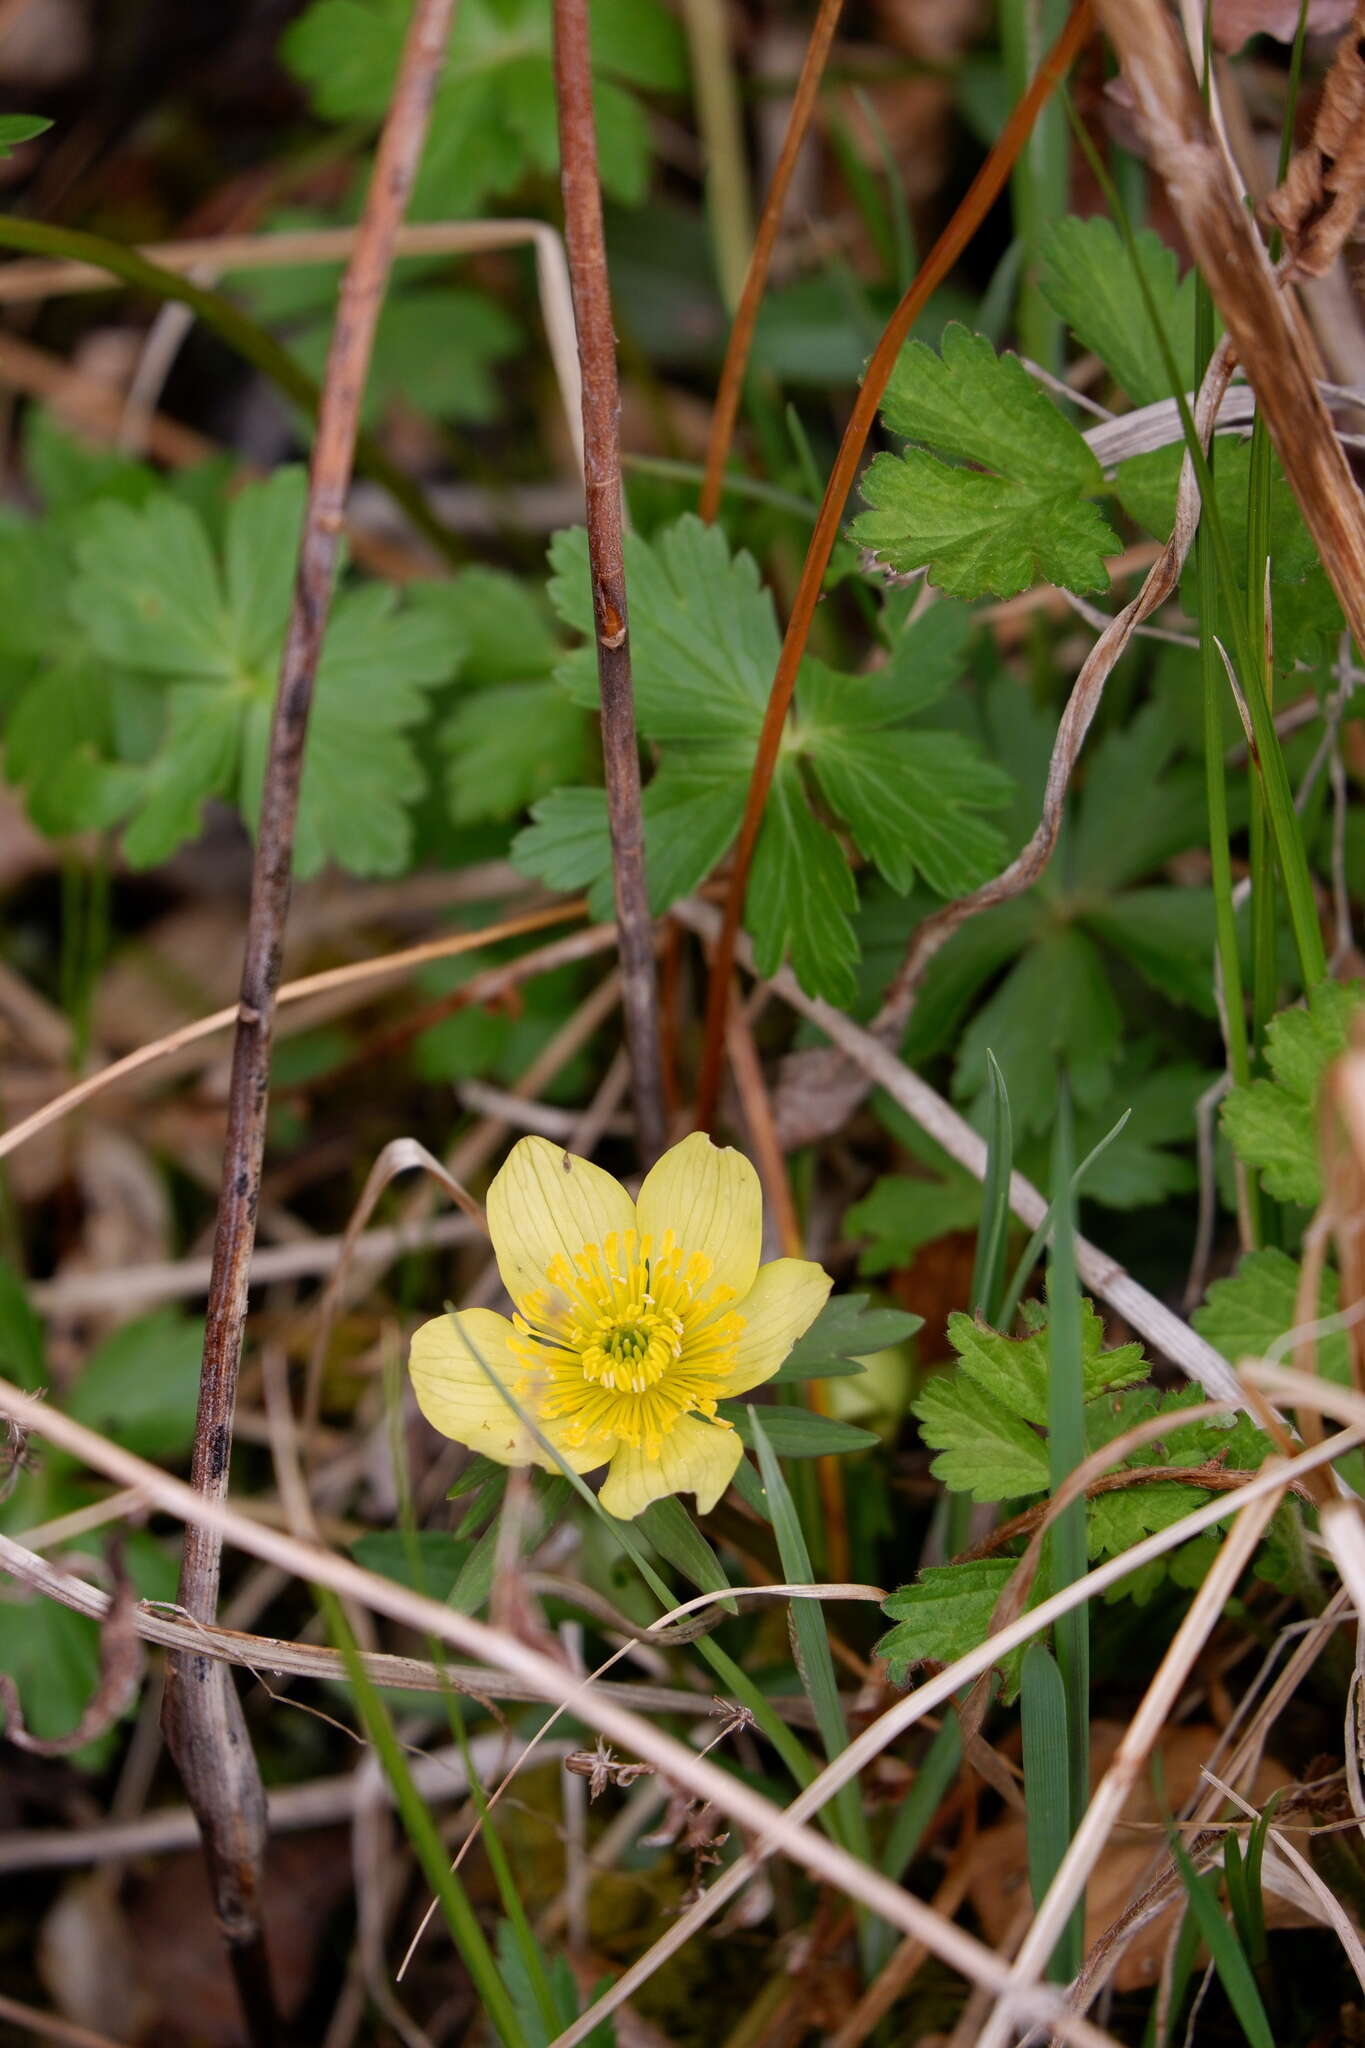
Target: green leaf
(53, 1656)
(509, 746)
(845, 1330)
(1014, 1370)
(21, 1334)
(441, 1558)
(435, 350)
(1056, 1005)
(141, 1387)
(910, 799)
(946, 1613)
(703, 632)
(156, 596)
(1087, 276)
(1167, 935)
(1272, 1124)
(901, 1212)
(567, 846)
(669, 1529)
(1149, 1158)
(799, 1432)
(1018, 516)
(17, 128)
(500, 622)
(984, 1450)
(493, 122)
(1250, 1311)
(801, 895)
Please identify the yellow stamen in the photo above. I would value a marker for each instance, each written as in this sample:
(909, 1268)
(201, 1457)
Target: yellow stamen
(622, 1342)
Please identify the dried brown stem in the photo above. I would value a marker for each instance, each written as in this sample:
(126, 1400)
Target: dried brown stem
(201, 1715)
(985, 187)
(602, 490)
(1233, 260)
(731, 385)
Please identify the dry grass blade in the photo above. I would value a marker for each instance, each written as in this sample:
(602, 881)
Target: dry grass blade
(937, 1691)
(164, 1626)
(777, 1829)
(1101, 1273)
(1143, 1731)
(48, 2027)
(1235, 265)
(439, 1774)
(358, 973)
(213, 256)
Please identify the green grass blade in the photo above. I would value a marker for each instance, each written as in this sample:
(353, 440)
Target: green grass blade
(812, 1637)
(992, 1234)
(1284, 823)
(1014, 1294)
(1066, 1450)
(1047, 1778)
(941, 1764)
(1229, 1959)
(421, 1830)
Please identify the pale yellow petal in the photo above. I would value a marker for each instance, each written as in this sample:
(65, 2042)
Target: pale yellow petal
(695, 1457)
(545, 1203)
(457, 1397)
(709, 1197)
(781, 1305)
(455, 1393)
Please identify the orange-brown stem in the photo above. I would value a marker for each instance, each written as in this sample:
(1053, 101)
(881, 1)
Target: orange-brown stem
(984, 189)
(756, 276)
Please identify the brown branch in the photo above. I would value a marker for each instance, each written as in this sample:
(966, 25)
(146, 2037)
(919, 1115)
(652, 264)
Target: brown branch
(1211, 1478)
(731, 384)
(985, 187)
(602, 489)
(201, 1715)
(1233, 260)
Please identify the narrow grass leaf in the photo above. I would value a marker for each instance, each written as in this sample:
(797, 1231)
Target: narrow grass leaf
(1229, 1958)
(1047, 1777)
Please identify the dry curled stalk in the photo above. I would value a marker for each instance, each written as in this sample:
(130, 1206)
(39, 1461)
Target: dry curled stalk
(1317, 206)
(202, 1715)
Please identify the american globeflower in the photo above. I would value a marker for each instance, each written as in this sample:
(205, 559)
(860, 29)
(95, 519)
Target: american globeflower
(633, 1319)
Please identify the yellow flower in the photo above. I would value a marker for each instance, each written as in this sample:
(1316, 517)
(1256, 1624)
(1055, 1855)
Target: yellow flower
(632, 1320)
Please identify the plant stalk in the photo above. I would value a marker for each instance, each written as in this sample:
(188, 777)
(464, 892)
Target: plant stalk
(587, 253)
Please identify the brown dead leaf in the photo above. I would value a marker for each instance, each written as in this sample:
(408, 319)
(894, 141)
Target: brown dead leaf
(182, 1973)
(999, 1880)
(1236, 21)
